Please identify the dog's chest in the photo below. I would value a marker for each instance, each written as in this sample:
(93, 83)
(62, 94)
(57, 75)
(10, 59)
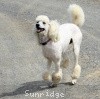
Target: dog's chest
(52, 51)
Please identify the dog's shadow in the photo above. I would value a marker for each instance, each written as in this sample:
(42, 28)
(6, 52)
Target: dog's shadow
(31, 86)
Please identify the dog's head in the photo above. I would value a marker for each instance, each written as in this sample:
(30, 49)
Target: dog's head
(47, 30)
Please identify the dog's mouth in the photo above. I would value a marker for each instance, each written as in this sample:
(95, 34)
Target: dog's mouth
(40, 30)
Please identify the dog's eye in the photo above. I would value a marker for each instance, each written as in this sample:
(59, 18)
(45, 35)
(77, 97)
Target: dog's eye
(44, 23)
(37, 21)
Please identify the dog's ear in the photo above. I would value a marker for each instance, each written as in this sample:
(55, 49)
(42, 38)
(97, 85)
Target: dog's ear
(54, 31)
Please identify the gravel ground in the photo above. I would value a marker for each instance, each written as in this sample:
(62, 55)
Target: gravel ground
(21, 59)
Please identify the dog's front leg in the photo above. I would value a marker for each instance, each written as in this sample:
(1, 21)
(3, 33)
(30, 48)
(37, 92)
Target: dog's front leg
(57, 75)
(46, 75)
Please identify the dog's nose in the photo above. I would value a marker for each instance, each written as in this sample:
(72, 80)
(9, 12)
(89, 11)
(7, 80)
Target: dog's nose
(37, 26)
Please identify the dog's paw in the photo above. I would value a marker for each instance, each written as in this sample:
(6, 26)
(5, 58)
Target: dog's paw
(74, 81)
(56, 77)
(46, 76)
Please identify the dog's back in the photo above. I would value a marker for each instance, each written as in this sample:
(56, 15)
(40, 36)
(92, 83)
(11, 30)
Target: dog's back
(68, 32)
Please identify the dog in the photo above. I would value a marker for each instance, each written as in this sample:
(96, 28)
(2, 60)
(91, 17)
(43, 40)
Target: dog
(55, 39)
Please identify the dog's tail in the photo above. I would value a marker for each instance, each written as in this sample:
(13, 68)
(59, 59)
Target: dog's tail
(77, 14)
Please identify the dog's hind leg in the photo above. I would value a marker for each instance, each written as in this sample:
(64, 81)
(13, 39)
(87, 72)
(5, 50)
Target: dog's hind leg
(46, 75)
(65, 61)
(77, 68)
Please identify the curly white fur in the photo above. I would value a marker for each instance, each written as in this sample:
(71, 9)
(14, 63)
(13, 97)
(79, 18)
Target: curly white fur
(56, 77)
(57, 38)
(47, 76)
(53, 31)
(42, 18)
(77, 14)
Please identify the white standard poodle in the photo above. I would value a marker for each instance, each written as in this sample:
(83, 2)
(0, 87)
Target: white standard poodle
(55, 39)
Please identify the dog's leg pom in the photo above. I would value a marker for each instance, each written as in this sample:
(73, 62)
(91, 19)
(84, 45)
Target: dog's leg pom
(46, 76)
(76, 74)
(56, 77)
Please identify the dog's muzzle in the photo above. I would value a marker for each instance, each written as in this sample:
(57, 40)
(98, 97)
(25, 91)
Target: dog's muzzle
(39, 29)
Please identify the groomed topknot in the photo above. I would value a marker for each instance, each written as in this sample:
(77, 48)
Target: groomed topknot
(42, 18)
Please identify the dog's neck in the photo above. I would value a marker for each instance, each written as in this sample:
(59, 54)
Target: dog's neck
(46, 42)
(43, 40)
